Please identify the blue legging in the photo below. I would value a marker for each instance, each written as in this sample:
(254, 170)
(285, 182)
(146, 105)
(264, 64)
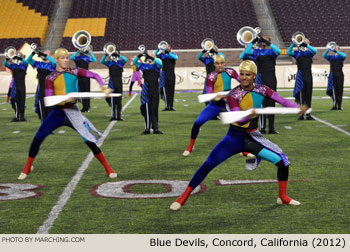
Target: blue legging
(54, 120)
(231, 144)
(210, 111)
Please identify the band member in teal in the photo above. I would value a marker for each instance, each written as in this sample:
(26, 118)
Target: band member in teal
(336, 76)
(244, 136)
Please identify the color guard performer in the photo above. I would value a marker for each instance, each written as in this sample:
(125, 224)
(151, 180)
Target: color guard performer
(244, 135)
(60, 82)
(136, 76)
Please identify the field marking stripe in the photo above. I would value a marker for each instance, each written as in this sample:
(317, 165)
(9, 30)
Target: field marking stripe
(331, 125)
(64, 197)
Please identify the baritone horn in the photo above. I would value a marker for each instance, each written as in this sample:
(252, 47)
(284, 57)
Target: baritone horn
(332, 46)
(142, 49)
(247, 34)
(298, 38)
(163, 46)
(109, 48)
(81, 40)
(207, 44)
(10, 52)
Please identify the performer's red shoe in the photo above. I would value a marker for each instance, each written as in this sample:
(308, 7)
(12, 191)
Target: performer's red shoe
(282, 195)
(27, 169)
(189, 148)
(180, 201)
(129, 93)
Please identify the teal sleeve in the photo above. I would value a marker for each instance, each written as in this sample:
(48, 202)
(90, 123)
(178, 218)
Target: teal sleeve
(93, 58)
(249, 50)
(73, 56)
(290, 50)
(124, 59)
(275, 49)
(30, 59)
(5, 63)
(136, 62)
(103, 60)
(52, 60)
(343, 55)
(324, 55)
(312, 49)
(200, 56)
(156, 53)
(174, 56)
(25, 62)
(158, 62)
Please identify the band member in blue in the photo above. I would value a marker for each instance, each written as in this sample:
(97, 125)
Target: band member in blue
(18, 66)
(208, 61)
(82, 59)
(244, 135)
(115, 65)
(167, 77)
(44, 68)
(303, 83)
(150, 91)
(336, 76)
(266, 62)
(216, 81)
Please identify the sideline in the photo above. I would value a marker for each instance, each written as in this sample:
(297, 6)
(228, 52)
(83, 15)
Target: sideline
(64, 197)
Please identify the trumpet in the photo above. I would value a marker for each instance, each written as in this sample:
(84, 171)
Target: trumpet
(247, 34)
(35, 47)
(298, 38)
(207, 44)
(81, 40)
(332, 46)
(109, 48)
(163, 46)
(142, 49)
(10, 52)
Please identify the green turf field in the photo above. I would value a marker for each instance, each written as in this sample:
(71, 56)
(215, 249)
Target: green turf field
(318, 154)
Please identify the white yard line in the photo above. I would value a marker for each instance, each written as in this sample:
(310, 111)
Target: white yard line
(64, 197)
(331, 125)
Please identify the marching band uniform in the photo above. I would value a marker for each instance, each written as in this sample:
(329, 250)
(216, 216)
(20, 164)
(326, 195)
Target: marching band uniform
(167, 77)
(44, 69)
(82, 60)
(215, 82)
(244, 136)
(150, 92)
(303, 83)
(266, 62)
(18, 90)
(335, 78)
(115, 67)
(66, 114)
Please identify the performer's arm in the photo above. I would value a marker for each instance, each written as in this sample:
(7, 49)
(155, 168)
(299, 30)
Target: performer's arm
(49, 88)
(124, 59)
(173, 56)
(73, 56)
(136, 62)
(219, 53)
(92, 57)
(200, 56)
(86, 73)
(324, 55)
(290, 50)
(209, 84)
(277, 98)
(52, 60)
(233, 74)
(25, 62)
(275, 49)
(156, 52)
(6, 64)
(30, 59)
(248, 50)
(158, 62)
(103, 61)
(312, 49)
(343, 55)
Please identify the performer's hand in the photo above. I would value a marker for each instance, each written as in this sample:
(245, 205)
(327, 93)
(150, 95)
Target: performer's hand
(204, 51)
(303, 44)
(255, 40)
(253, 114)
(218, 98)
(70, 100)
(303, 109)
(106, 90)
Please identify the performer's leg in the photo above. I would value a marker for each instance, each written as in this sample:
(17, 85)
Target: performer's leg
(282, 169)
(130, 87)
(88, 89)
(227, 147)
(339, 86)
(154, 106)
(101, 157)
(119, 89)
(207, 113)
(172, 92)
(54, 120)
(21, 99)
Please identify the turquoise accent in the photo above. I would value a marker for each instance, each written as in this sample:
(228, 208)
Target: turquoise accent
(86, 126)
(71, 82)
(269, 156)
(257, 99)
(226, 79)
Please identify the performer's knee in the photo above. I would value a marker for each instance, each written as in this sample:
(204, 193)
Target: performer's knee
(282, 171)
(93, 147)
